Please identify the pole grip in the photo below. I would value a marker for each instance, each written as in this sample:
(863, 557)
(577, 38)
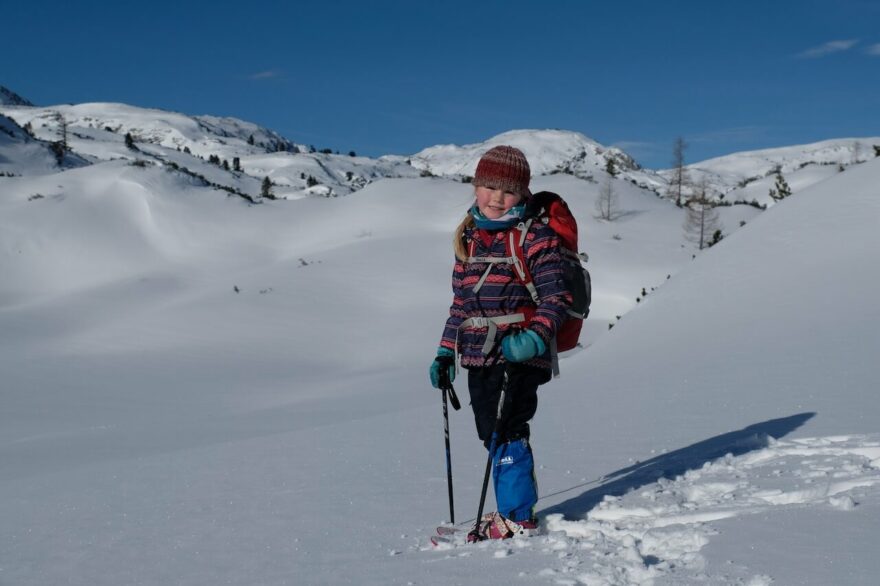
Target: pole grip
(446, 386)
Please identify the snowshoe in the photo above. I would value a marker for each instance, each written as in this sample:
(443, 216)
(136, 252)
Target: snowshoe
(497, 526)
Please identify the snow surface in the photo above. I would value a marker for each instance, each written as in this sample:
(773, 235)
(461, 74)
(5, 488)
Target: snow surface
(198, 390)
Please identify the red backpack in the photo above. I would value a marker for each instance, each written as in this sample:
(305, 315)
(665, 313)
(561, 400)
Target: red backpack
(551, 210)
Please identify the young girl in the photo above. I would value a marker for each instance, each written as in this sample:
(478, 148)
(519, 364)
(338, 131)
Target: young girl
(494, 325)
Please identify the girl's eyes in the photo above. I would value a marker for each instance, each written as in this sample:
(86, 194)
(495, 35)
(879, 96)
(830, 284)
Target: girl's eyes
(509, 194)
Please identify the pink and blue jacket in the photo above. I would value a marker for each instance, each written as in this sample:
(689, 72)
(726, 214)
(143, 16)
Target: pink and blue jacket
(503, 294)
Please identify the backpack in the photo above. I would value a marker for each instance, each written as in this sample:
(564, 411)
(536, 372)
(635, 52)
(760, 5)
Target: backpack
(551, 210)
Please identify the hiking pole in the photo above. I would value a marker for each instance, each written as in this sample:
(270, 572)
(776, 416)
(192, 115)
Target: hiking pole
(446, 387)
(475, 534)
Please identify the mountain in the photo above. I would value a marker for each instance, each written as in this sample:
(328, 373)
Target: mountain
(10, 98)
(21, 154)
(548, 152)
(749, 176)
(207, 146)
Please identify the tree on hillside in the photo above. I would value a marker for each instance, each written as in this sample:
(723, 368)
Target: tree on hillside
(606, 203)
(266, 188)
(57, 149)
(781, 190)
(877, 150)
(610, 167)
(679, 177)
(62, 131)
(251, 140)
(129, 141)
(236, 164)
(701, 218)
(857, 152)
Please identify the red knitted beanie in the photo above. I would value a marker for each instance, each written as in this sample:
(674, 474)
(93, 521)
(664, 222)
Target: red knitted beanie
(506, 168)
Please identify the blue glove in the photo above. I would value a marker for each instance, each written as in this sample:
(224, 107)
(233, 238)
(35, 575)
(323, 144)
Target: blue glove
(445, 359)
(523, 346)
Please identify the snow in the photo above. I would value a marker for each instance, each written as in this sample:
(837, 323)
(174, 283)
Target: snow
(199, 390)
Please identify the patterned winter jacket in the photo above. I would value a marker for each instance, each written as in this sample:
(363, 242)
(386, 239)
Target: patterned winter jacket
(502, 294)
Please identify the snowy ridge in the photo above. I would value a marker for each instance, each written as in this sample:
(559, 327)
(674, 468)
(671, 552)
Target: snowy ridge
(20, 154)
(548, 152)
(749, 176)
(203, 135)
(96, 131)
(10, 98)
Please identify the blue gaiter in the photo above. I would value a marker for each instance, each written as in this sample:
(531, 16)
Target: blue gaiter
(513, 475)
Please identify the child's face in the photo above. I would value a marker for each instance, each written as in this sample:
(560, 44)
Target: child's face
(494, 203)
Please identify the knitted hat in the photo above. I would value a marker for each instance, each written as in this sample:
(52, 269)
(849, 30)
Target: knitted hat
(506, 168)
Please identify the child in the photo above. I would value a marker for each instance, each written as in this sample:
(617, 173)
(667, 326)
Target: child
(494, 323)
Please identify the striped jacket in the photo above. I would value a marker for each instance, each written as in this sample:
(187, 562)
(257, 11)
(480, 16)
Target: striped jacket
(503, 294)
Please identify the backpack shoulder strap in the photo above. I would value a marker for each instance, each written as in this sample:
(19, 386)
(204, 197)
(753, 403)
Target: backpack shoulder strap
(514, 240)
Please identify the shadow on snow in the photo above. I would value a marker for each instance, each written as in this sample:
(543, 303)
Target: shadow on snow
(674, 464)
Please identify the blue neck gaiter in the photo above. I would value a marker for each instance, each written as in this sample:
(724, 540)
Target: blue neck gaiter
(513, 217)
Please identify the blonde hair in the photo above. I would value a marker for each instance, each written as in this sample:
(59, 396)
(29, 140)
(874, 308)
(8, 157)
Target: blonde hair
(458, 241)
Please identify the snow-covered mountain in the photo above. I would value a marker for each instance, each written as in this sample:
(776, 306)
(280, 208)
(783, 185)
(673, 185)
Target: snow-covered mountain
(749, 176)
(548, 152)
(10, 98)
(205, 146)
(21, 154)
(209, 146)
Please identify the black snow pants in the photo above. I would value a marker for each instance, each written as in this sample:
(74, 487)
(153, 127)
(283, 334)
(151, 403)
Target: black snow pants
(520, 401)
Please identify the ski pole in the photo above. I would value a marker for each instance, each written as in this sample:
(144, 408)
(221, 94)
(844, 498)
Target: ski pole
(446, 387)
(475, 534)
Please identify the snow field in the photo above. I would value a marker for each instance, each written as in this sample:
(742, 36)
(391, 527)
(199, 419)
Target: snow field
(656, 534)
(201, 391)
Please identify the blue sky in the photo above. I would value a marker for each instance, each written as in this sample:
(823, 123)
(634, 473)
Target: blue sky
(383, 77)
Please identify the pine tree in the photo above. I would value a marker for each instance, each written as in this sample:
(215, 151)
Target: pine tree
(610, 167)
(782, 190)
(62, 129)
(266, 189)
(58, 150)
(236, 164)
(129, 141)
(251, 140)
(877, 150)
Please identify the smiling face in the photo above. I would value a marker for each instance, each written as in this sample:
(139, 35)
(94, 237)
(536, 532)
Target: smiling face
(494, 203)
